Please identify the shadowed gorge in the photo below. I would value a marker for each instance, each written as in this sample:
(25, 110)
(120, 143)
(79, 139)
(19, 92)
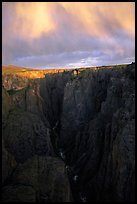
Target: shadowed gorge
(68, 135)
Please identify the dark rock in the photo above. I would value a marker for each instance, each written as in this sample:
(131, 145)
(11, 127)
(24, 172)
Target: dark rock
(8, 163)
(88, 120)
(41, 179)
(18, 193)
(26, 135)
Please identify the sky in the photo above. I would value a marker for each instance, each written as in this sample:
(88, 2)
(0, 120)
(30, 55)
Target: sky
(67, 34)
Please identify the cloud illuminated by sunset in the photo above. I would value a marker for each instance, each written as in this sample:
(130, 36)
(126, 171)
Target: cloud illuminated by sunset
(42, 34)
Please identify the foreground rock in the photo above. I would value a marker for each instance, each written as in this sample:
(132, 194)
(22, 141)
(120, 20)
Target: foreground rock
(40, 179)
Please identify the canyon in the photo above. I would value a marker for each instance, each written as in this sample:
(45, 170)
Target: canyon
(68, 135)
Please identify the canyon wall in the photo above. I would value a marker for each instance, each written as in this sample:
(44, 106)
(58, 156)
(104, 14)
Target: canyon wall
(69, 136)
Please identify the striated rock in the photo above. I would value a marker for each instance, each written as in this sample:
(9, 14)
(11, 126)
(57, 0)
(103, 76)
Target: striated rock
(8, 163)
(97, 135)
(88, 120)
(26, 135)
(52, 92)
(18, 193)
(6, 104)
(40, 179)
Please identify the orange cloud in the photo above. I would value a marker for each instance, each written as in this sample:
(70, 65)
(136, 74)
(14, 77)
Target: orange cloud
(90, 15)
(32, 19)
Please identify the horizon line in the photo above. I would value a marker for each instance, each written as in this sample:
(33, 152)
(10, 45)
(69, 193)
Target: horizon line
(66, 67)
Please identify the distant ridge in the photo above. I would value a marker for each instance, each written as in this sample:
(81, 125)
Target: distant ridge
(18, 68)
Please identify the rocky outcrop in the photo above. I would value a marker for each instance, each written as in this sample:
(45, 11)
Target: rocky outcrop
(88, 120)
(6, 104)
(39, 179)
(8, 163)
(26, 135)
(31, 171)
(14, 81)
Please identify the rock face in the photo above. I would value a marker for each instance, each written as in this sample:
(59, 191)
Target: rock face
(6, 103)
(31, 171)
(87, 119)
(26, 135)
(8, 163)
(97, 135)
(39, 179)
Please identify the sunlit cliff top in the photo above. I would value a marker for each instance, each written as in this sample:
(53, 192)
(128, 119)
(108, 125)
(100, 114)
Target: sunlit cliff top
(40, 73)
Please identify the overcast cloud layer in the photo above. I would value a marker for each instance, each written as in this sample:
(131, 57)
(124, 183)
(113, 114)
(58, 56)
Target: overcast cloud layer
(67, 34)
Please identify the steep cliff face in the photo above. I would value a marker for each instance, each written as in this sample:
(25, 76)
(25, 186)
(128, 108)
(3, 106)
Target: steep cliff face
(31, 171)
(97, 134)
(86, 119)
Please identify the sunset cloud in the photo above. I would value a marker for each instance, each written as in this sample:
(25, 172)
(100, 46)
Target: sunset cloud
(42, 34)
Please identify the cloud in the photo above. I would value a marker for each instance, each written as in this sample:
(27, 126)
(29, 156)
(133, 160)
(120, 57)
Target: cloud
(41, 34)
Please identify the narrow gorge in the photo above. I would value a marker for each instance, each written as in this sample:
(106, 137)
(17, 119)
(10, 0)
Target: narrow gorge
(69, 136)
